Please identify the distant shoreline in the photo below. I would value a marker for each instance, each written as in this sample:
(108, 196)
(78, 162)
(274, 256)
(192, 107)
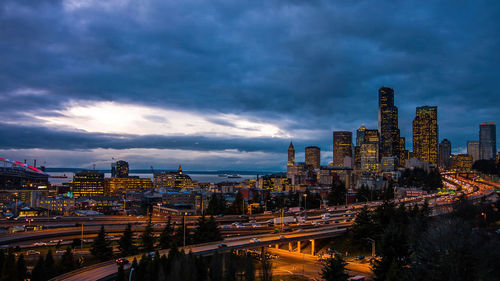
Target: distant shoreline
(148, 171)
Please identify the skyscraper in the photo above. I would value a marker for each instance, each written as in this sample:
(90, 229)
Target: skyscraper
(313, 156)
(473, 150)
(445, 154)
(291, 154)
(364, 135)
(342, 147)
(388, 123)
(487, 140)
(425, 134)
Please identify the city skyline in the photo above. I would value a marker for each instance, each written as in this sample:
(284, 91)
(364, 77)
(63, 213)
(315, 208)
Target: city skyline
(232, 89)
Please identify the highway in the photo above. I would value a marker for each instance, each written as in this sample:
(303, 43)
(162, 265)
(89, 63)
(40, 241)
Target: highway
(233, 243)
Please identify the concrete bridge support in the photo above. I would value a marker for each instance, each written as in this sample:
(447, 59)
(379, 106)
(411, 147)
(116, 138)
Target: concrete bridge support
(290, 247)
(312, 247)
(298, 247)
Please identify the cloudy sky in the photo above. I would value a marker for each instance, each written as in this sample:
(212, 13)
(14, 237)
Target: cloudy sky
(227, 84)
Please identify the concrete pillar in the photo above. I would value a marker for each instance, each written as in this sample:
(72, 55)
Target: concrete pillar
(290, 247)
(298, 247)
(312, 247)
(277, 246)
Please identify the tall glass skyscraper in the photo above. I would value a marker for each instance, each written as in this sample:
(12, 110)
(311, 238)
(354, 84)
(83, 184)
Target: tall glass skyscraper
(473, 150)
(445, 154)
(342, 147)
(487, 140)
(388, 123)
(425, 134)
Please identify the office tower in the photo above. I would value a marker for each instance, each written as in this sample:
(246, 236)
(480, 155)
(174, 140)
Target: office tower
(425, 134)
(291, 154)
(444, 154)
(313, 156)
(388, 123)
(487, 141)
(342, 147)
(369, 155)
(461, 163)
(88, 183)
(364, 135)
(119, 169)
(403, 152)
(473, 150)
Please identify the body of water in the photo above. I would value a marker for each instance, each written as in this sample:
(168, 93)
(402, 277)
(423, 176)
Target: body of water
(211, 178)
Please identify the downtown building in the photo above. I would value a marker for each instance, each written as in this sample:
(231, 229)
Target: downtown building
(313, 156)
(487, 141)
(87, 184)
(473, 150)
(388, 124)
(425, 134)
(176, 180)
(461, 163)
(445, 154)
(119, 169)
(342, 148)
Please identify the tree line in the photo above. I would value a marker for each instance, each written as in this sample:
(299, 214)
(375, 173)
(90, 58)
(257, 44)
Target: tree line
(176, 265)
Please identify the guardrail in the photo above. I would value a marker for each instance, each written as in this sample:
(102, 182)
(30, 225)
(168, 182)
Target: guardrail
(81, 270)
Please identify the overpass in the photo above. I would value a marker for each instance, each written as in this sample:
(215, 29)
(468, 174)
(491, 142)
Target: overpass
(107, 269)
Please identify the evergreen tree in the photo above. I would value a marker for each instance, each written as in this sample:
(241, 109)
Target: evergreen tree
(166, 236)
(249, 269)
(238, 204)
(267, 268)
(67, 262)
(230, 268)
(216, 205)
(334, 270)
(120, 275)
(147, 238)
(206, 231)
(38, 273)
(22, 271)
(9, 267)
(337, 193)
(363, 194)
(50, 268)
(215, 271)
(101, 248)
(2, 260)
(126, 243)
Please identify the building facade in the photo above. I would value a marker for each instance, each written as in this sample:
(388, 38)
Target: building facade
(388, 123)
(473, 150)
(425, 134)
(342, 147)
(119, 169)
(291, 154)
(445, 154)
(313, 156)
(114, 186)
(88, 183)
(461, 163)
(487, 141)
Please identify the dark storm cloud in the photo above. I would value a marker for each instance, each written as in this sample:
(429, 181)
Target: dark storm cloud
(316, 63)
(22, 137)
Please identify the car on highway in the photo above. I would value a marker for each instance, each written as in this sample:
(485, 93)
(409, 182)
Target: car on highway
(222, 245)
(60, 251)
(57, 218)
(121, 261)
(56, 241)
(32, 253)
(38, 244)
(281, 237)
(254, 240)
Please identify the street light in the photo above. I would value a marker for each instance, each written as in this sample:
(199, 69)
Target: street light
(373, 245)
(305, 203)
